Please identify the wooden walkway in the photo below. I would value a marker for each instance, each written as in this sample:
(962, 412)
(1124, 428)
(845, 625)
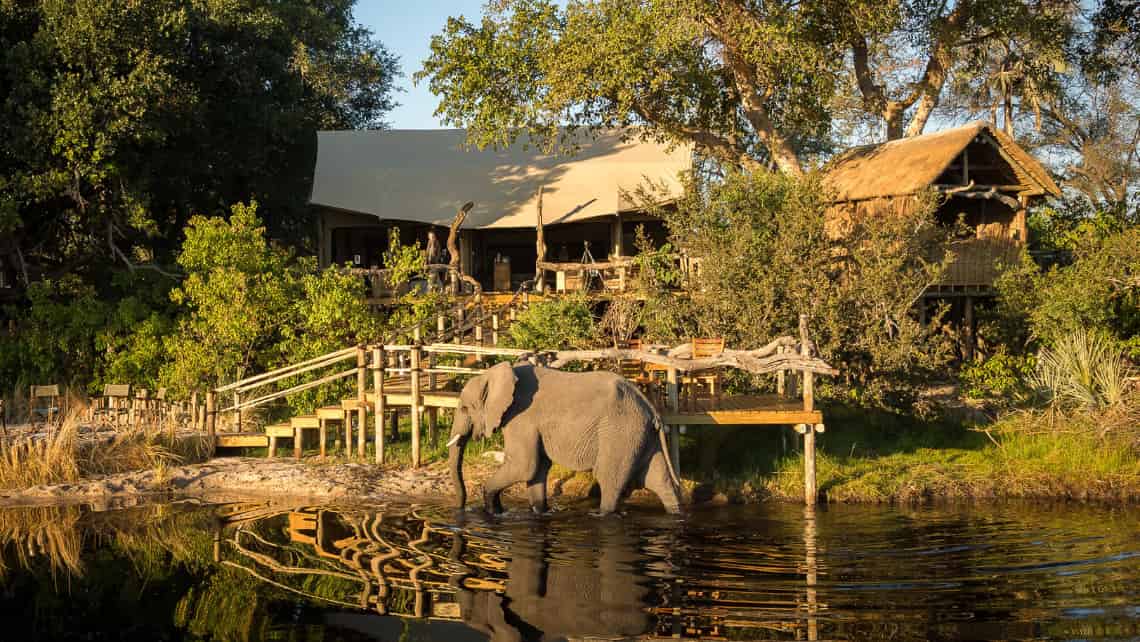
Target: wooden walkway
(413, 377)
(743, 410)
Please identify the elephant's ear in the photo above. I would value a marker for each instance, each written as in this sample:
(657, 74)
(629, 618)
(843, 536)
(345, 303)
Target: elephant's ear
(498, 395)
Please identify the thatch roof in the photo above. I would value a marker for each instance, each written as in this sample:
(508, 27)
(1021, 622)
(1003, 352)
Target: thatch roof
(909, 165)
(424, 176)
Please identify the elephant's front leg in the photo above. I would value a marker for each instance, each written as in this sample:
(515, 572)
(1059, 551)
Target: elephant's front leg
(536, 485)
(521, 456)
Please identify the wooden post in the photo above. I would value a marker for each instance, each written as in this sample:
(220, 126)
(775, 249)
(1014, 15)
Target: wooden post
(237, 411)
(432, 412)
(378, 410)
(440, 326)
(495, 328)
(810, 491)
(194, 412)
(457, 336)
(415, 390)
(361, 401)
(211, 418)
(540, 246)
(781, 376)
(672, 391)
(968, 329)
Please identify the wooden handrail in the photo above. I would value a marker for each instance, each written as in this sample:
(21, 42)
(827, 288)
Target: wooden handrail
(330, 358)
(295, 389)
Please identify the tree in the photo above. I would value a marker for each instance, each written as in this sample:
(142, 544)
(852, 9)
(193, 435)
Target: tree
(747, 83)
(119, 119)
(751, 84)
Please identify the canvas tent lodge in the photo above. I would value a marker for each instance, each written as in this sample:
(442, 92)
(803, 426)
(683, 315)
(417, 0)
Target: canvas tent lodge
(986, 180)
(414, 181)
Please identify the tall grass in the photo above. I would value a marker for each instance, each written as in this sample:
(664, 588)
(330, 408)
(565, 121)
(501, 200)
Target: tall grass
(63, 456)
(1085, 369)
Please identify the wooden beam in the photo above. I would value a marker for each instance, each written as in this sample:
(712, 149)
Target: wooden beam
(540, 247)
(242, 440)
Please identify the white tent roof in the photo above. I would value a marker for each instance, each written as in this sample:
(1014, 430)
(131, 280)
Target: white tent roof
(426, 175)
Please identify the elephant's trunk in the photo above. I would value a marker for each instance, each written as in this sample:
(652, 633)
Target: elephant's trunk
(455, 452)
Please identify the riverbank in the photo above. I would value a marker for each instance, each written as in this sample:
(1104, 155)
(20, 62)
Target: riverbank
(863, 457)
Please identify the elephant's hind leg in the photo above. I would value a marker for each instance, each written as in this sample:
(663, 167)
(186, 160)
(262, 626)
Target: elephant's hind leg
(658, 480)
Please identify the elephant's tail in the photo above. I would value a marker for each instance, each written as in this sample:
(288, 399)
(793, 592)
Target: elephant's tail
(665, 451)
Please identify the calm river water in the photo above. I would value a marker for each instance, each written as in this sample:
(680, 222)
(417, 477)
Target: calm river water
(397, 572)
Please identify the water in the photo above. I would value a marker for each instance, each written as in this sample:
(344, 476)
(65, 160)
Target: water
(398, 572)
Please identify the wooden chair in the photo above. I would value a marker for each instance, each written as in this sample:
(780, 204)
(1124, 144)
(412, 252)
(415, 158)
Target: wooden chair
(639, 372)
(114, 405)
(141, 407)
(704, 349)
(45, 403)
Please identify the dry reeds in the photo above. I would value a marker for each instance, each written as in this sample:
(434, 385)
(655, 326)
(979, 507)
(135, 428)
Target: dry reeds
(63, 454)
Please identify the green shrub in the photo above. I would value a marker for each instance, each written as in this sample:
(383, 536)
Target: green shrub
(555, 324)
(1085, 369)
(1000, 376)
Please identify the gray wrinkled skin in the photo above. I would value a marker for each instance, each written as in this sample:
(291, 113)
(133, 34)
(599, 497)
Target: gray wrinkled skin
(579, 420)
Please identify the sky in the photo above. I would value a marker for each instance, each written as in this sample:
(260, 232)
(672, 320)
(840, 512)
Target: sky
(406, 27)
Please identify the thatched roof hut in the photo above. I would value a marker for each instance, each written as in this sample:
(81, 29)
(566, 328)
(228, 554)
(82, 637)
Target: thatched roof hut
(986, 178)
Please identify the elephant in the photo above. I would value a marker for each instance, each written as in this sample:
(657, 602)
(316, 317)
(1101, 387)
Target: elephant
(580, 420)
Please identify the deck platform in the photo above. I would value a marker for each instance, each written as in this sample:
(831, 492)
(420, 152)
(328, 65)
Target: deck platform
(241, 440)
(743, 410)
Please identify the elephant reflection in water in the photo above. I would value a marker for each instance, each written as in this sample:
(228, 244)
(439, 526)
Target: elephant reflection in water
(597, 594)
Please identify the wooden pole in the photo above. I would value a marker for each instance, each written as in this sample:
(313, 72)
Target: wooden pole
(495, 328)
(237, 411)
(673, 393)
(457, 337)
(415, 390)
(810, 491)
(440, 326)
(194, 411)
(968, 329)
(211, 418)
(540, 246)
(378, 387)
(432, 412)
(361, 399)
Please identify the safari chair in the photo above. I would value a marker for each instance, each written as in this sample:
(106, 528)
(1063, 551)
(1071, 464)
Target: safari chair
(640, 372)
(161, 408)
(45, 403)
(696, 379)
(114, 405)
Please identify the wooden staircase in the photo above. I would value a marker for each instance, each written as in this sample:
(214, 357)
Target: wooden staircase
(403, 376)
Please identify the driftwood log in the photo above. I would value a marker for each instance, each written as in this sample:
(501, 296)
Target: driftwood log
(760, 361)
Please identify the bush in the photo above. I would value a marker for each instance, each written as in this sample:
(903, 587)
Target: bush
(1084, 369)
(1002, 375)
(1098, 291)
(555, 324)
(765, 257)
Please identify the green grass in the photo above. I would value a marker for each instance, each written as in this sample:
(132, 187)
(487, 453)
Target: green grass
(878, 457)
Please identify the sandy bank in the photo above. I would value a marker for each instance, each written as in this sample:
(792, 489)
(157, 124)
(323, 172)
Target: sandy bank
(247, 477)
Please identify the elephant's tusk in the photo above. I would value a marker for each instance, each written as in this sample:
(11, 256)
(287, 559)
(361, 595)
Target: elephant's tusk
(454, 440)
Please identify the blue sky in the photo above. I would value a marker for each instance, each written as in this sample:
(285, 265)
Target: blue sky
(406, 27)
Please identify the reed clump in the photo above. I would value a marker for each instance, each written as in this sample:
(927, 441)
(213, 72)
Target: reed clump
(64, 454)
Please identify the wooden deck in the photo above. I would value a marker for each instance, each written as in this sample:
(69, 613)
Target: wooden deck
(743, 410)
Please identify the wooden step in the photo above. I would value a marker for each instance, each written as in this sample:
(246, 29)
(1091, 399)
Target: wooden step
(335, 413)
(241, 440)
(305, 421)
(279, 430)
